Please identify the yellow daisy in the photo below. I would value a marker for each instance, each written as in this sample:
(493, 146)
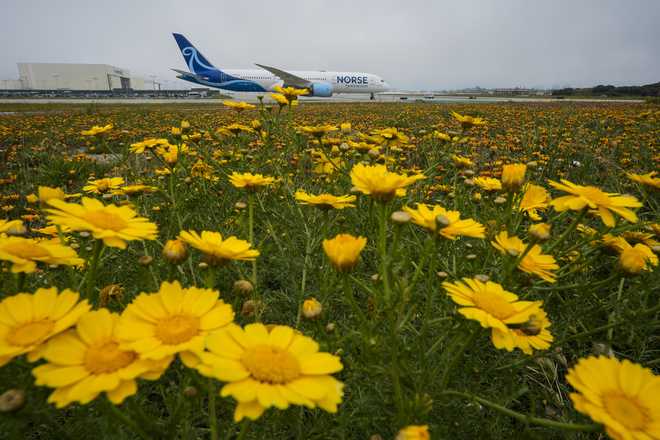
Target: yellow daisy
(530, 335)
(238, 105)
(102, 186)
(325, 201)
(602, 203)
(414, 432)
(534, 261)
(27, 320)
(645, 179)
(381, 184)
(513, 176)
(10, 226)
(534, 199)
(25, 253)
(87, 361)
(638, 258)
(621, 395)
(218, 251)
(461, 162)
(249, 180)
(468, 122)
(489, 304)
(447, 224)
(172, 320)
(115, 225)
(344, 250)
(487, 183)
(271, 366)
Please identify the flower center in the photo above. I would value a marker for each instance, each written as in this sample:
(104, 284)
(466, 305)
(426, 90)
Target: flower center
(626, 410)
(105, 220)
(27, 250)
(271, 364)
(493, 304)
(30, 333)
(177, 329)
(107, 358)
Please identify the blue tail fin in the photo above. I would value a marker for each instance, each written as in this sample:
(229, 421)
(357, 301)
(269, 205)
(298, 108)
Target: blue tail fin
(196, 62)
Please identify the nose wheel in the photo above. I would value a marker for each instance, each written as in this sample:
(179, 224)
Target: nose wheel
(372, 97)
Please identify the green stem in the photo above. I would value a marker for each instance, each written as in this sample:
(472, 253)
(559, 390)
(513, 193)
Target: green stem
(122, 418)
(90, 275)
(524, 417)
(382, 251)
(444, 380)
(244, 429)
(610, 331)
(568, 230)
(350, 298)
(251, 236)
(213, 418)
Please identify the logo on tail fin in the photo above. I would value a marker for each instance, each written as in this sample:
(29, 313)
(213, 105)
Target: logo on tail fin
(196, 62)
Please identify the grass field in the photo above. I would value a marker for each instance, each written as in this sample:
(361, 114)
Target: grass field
(410, 344)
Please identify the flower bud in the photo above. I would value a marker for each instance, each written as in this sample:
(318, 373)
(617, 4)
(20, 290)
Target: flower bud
(145, 260)
(12, 400)
(602, 349)
(244, 287)
(540, 231)
(311, 308)
(250, 307)
(240, 205)
(481, 277)
(499, 200)
(190, 391)
(400, 217)
(175, 251)
(330, 327)
(442, 222)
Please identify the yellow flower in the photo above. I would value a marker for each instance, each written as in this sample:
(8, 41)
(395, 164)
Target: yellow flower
(344, 251)
(280, 99)
(175, 251)
(172, 320)
(461, 161)
(239, 106)
(140, 147)
(441, 136)
(595, 199)
(533, 334)
(317, 130)
(218, 251)
(621, 395)
(614, 242)
(291, 93)
(115, 225)
(447, 224)
(87, 361)
(185, 124)
(47, 193)
(489, 304)
(381, 184)
(540, 231)
(468, 122)
(130, 190)
(414, 432)
(325, 201)
(488, 183)
(311, 308)
(96, 130)
(25, 253)
(534, 199)
(28, 320)
(638, 258)
(102, 186)
(513, 176)
(12, 227)
(345, 127)
(390, 135)
(534, 261)
(176, 131)
(249, 180)
(170, 153)
(235, 129)
(267, 367)
(645, 179)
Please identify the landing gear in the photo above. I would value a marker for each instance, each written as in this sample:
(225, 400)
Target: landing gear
(372, 97)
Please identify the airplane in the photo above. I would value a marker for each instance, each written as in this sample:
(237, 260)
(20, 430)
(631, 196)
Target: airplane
(320, 83)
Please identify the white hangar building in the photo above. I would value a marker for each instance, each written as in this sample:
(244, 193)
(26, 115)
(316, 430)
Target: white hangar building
(60, 76)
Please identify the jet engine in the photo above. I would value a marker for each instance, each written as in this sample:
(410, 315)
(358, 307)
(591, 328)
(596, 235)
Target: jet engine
(323, 90)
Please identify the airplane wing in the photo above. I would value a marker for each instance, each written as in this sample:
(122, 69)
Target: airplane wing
(288, 78)
(191, 75)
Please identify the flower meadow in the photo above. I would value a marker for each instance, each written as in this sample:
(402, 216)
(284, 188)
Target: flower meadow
(321, 271)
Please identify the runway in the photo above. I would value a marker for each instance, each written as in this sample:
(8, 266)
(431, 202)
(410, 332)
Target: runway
(252, 97)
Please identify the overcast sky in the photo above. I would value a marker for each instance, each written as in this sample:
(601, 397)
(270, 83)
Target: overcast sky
(413, 44)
